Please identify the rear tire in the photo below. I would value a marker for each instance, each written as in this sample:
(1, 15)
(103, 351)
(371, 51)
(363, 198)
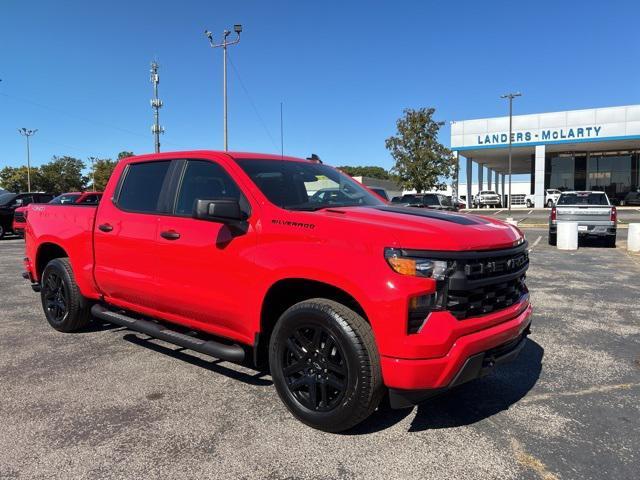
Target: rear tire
(553, 239)
(325, 365)
(64, 306)
(549, 203)
(2, 232)
(610, 242)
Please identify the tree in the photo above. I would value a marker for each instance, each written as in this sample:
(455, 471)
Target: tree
(103, 168)
(366, 171)
(14, 179)
(422, 163)
(63, 174)
(124, 154)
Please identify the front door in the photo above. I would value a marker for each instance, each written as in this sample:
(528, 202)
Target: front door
(205, 269)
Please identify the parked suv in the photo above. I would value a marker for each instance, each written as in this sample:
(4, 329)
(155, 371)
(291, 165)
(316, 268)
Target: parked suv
(487, 198)
(9, 202)
(344, 299)
(551, 196)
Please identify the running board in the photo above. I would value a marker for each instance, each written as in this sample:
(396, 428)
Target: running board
(232, 353)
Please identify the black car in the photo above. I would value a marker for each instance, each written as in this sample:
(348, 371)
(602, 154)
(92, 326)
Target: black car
(632, 198)
(10, 201)
(426, 200)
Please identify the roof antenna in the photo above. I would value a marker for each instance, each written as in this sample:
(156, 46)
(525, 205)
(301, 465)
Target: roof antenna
(281, 134)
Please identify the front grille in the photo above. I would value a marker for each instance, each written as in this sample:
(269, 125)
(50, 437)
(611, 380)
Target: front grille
(486, 282)
(486, 299)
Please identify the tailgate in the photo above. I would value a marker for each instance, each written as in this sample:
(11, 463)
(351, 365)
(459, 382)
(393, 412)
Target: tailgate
(583, 214)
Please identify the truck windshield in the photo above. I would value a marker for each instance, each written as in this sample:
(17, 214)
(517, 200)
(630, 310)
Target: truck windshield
(306, 185)
(66, 198)
(583, 198)
(7, 198)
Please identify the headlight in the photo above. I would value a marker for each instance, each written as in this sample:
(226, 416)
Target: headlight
(416, 267)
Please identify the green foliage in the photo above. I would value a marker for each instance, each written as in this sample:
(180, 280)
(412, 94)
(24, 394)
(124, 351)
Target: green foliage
(62, 174)
(124, 154)
(366, 171)
(422, 163)
(103, 168)
(14, 179)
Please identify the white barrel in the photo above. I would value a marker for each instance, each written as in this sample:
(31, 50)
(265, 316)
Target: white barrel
(633, 240)
(567, 236)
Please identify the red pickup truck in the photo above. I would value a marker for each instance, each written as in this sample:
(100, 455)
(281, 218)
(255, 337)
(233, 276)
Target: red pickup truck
(344, 297)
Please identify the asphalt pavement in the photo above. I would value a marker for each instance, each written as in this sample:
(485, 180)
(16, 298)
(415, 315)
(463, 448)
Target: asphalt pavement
(109, 403)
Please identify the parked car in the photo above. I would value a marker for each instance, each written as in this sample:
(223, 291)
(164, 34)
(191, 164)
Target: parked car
(593, 212)
(551, 196)
(632, 198)
(436, 201)
(9, 202)
(77, 198)
(380, 191)
(487, 198)
(343, 302)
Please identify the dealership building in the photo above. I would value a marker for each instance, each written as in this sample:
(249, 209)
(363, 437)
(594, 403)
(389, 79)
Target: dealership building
(593, 149)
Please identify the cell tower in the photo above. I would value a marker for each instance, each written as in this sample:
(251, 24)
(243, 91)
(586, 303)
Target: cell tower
(156, 104)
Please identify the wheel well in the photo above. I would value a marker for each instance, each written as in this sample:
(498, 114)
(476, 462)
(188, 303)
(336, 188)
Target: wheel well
(285, 293)
(46, 253)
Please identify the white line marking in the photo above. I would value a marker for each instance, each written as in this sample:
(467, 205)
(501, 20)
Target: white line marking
(529, 212)
(536, 242)
(497, 212)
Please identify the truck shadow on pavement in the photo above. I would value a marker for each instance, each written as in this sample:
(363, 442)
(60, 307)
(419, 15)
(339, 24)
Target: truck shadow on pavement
(213, 365)
(469, 403)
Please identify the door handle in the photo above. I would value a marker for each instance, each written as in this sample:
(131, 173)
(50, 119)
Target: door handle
(105, 227)
(170, 235)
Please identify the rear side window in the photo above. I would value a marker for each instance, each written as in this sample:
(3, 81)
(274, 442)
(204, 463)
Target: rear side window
(142, 187)
(206, 181)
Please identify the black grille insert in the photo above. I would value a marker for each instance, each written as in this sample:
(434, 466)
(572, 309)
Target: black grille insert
(486, 299)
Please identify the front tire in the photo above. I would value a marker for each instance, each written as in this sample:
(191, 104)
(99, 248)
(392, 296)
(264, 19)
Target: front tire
(529, 204)
(325, 365)
(549, 203)
(2, 232)
(64, 306)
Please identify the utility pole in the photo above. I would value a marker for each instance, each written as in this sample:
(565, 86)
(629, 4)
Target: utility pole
(26, 133)
(93, 173)
(510, 96)
(156, 104)
(281, 133)
(224, 44)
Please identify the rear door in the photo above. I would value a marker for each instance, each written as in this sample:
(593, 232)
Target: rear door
(125, 235)
(205, 268)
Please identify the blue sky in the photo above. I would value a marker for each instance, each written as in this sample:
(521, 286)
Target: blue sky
(78, 70)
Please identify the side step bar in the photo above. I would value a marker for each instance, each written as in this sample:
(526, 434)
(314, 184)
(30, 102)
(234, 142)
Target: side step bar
(232, 353)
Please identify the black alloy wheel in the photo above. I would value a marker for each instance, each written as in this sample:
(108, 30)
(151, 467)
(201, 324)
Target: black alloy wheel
(55, 298)
(314, 367)
(64, 306)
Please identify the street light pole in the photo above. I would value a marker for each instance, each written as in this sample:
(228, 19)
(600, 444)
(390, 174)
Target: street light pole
(224, 44)
(510, 96)
(26, 133)
(93, 173)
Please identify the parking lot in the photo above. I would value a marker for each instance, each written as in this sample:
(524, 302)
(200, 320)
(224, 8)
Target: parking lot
(108, 403)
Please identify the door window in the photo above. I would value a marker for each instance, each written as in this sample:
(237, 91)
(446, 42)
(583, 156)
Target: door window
(204, 180)
(140, 192)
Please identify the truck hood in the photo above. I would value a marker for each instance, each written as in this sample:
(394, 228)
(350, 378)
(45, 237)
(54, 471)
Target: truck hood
(427, 229)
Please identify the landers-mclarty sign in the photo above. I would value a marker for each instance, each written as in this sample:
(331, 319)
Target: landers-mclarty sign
(544, 135)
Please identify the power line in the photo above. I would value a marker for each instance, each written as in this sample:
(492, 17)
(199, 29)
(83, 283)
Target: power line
(79, 117)
(253, 105)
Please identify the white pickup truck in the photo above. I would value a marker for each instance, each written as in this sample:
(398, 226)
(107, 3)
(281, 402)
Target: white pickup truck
(551, 196)
(592, 211)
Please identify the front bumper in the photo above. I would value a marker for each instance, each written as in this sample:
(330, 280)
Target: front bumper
(446, 371)
(595, 229)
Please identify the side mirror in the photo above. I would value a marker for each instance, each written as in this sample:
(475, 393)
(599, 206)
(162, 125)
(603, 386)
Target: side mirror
(221, 210)
(19, 202)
